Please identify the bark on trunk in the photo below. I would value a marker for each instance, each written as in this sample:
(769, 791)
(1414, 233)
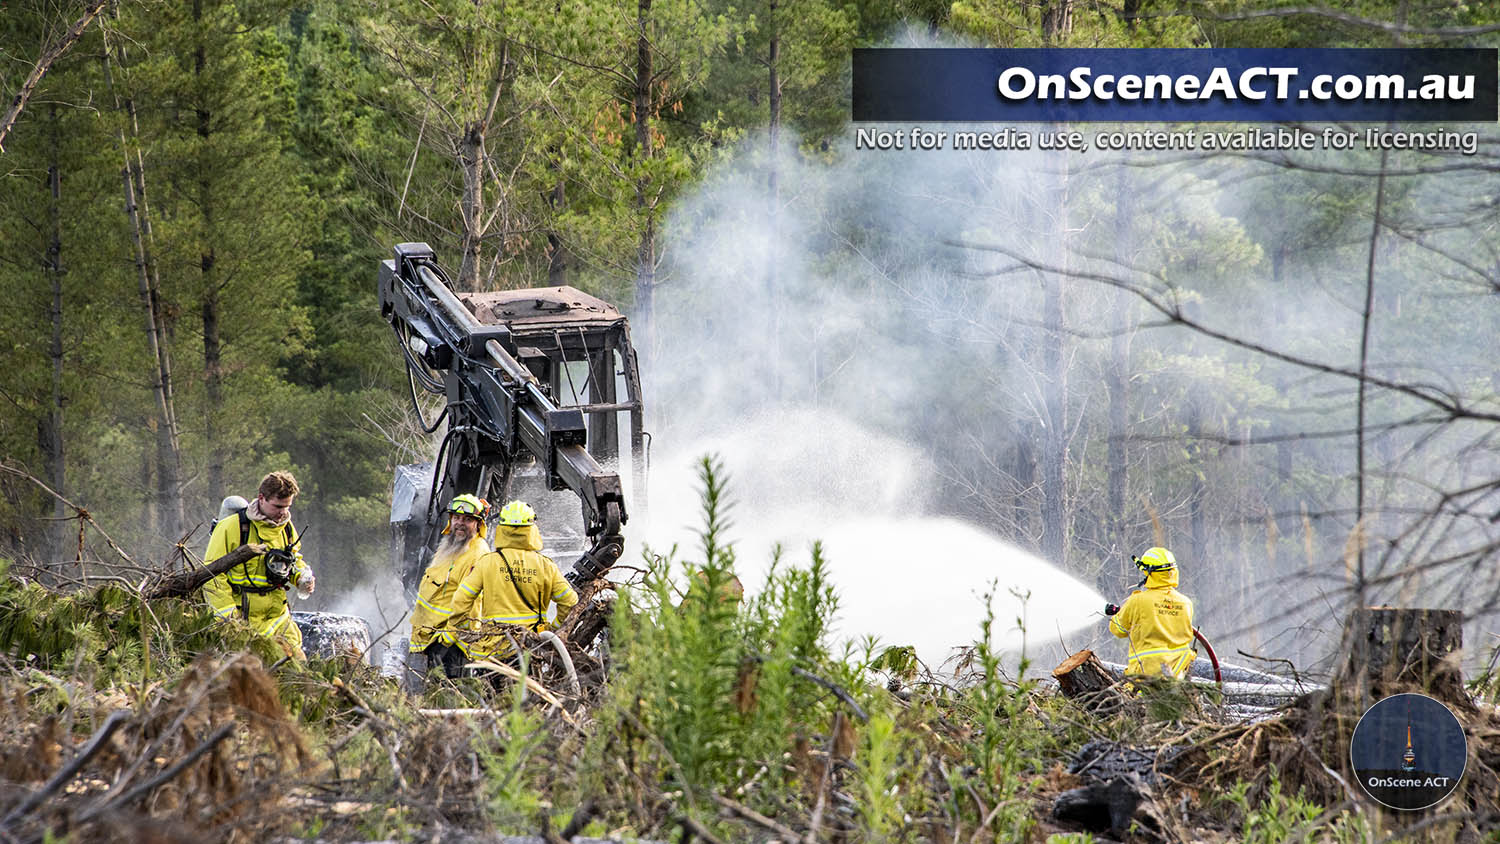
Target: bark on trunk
(773, 185)
(645, 275)
(1117, 371)
(49, 434)
(1396, 649)
(557, 253)
(1083, 678)
(167, 502)
(1025, 474)
(213, 369)
(1057, 21)
(213, 376)
(473, 155)
(1054, 378)
(1199, 490)
(471, 206)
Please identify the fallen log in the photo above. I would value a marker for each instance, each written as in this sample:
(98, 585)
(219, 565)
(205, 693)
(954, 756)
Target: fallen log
(1123, 807)
(183, 583)
(588, 619)
(1082, 677)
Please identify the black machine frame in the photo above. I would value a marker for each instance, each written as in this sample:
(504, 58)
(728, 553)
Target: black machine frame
(504, 362)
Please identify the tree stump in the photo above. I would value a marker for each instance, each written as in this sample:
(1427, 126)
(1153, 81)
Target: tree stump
(1083, 678)
(1396, 649)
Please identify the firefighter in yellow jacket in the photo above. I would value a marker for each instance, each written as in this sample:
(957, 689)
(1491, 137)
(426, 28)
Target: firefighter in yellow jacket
(1157, 619)
(432, 618)
(511, 585)
(256, 590)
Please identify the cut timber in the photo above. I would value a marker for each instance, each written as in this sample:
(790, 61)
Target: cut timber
(1083, 678)
(1395, 649)
(181, 584)
(586, 620)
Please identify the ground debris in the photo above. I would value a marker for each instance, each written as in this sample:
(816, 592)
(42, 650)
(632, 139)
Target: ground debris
(209, 753)
(1102, 761)
(1124, 806)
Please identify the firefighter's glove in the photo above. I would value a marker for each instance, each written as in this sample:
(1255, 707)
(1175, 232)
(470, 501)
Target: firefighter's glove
(1111, 609)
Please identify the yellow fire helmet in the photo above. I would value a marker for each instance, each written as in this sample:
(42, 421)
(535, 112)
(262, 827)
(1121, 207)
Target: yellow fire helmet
(517, 513)
(1155, 559)
(467, 505)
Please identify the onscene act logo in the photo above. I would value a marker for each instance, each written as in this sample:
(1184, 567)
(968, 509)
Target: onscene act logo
(1408, 752)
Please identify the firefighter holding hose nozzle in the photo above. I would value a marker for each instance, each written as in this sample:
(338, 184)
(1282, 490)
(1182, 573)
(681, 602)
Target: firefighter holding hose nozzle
(1156, 618)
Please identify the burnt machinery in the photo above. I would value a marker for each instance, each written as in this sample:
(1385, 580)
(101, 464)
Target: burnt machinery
(535, 386)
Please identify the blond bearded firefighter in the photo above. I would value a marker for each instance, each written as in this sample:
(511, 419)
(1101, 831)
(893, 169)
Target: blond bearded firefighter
(433, 620)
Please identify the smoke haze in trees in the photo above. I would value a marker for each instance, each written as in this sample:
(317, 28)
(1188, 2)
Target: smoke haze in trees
(869, 348)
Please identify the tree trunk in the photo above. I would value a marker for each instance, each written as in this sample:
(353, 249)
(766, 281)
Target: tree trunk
(167, 504)
(148, 480)
(1198, 492)
(1364, 360)
(1392, 650)
(213, 367)
(1025, 474)
(1057, 21)
(557, 252)
(1054, 401)
(471, 206)
(473, 155)
(44, 63)
(50, 429)
(645, 274)
(1117, 372)
(773, 191)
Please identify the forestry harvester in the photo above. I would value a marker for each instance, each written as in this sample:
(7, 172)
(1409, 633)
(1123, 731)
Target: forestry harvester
(535, 385)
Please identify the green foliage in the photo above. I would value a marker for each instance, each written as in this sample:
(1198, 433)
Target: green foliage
(1279, 818)
(706, 688)
(1002, 755)
(511, 795)
(879, 779)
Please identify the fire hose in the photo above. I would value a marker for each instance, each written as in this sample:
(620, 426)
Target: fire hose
(1213, 658)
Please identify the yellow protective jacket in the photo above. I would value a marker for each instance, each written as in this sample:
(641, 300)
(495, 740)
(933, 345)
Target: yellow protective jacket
(432, 617)
(512, 585)
(1159, 623)
(244, 591)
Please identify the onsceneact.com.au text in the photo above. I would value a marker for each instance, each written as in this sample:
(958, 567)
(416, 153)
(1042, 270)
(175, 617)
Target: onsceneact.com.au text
(1252, 83)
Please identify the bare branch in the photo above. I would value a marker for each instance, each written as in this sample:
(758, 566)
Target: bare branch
(43, 64)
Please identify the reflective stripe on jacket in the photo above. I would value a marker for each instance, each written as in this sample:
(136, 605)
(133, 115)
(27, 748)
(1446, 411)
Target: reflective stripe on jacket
(229, 594)
(1158, 620)
(432, 617)
(499, 598)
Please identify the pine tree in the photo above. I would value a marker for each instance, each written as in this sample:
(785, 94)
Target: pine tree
(212, 93)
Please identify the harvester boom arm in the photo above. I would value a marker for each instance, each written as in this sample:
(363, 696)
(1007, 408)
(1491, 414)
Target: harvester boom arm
(498, 408)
